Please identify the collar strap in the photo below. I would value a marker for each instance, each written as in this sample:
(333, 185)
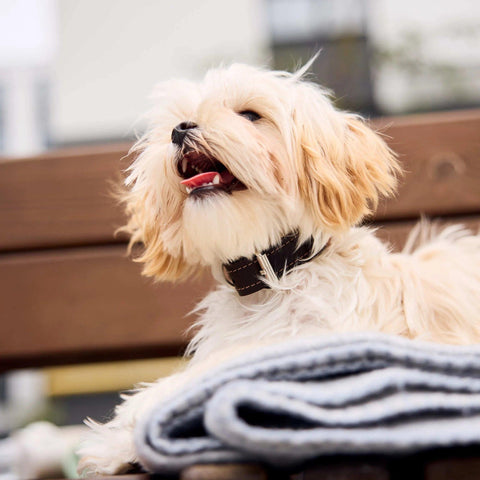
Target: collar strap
(245, 274)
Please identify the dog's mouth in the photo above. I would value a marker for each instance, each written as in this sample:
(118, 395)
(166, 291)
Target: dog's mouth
(203, 175)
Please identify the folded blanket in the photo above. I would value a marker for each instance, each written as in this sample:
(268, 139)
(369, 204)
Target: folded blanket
(289, 403)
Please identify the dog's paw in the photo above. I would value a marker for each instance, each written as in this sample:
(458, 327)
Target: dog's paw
(106, 451)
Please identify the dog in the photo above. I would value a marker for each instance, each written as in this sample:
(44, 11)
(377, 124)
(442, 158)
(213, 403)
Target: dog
(256, 175)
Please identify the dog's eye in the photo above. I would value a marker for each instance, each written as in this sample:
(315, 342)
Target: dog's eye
(250, 115)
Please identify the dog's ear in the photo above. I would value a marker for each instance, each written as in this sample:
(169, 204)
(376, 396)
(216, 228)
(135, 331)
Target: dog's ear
(145, 244)
(344, 165)
(160, 264)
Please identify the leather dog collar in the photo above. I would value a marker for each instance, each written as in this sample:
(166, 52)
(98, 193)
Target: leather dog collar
(245, 274)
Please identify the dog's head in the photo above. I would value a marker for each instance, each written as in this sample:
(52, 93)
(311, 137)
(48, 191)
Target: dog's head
(230, 165)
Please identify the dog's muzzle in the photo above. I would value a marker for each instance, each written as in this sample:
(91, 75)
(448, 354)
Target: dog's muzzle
(180, 132)
(203, 175)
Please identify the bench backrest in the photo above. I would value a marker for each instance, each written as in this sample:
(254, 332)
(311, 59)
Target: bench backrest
(68, 293)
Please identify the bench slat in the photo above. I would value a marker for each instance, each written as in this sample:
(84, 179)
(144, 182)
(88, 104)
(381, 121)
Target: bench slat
(88, 304)
(441, 157)
(396, 233)
(62, 198)
(91, 303)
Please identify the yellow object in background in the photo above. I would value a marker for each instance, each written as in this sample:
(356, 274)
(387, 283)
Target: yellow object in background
(108, 376)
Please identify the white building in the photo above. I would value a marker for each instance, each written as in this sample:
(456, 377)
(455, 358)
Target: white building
(99, 59)
(112, 52)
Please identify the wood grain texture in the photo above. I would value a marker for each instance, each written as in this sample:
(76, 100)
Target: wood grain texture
(92, 304)
(225, 472)
(453, 469)
(359, 470)
(441, 157)
(63, 198)
(88, 304)
(350, 470)
(396, 233)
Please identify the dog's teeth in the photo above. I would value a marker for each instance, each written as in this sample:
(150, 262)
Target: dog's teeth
(189, 189)
(216, 180)
(184, 165)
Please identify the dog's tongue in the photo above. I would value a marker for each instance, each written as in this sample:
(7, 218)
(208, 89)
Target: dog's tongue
(201, 179)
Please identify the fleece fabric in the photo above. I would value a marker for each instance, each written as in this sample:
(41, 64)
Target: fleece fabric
(295, 401)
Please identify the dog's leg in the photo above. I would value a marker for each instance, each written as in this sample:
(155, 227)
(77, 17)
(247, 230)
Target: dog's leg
(109, 449)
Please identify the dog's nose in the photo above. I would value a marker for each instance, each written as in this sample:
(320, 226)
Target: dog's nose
(179, 132)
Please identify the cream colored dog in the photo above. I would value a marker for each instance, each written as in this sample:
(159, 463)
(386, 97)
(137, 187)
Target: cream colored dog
(233, 170)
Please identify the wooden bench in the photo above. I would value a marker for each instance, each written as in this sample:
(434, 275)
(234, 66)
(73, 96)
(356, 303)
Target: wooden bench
(69, 294)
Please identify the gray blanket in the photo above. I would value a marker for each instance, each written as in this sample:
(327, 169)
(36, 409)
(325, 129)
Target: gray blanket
(362, 393)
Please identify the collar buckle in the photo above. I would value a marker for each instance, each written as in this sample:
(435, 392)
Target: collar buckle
(266, 267)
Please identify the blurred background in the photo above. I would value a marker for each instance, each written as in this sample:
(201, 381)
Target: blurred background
(79, 72)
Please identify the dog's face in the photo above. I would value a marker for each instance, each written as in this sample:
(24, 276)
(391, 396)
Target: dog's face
(230, 165)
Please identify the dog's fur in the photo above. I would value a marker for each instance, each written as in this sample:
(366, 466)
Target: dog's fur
(306, 166)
